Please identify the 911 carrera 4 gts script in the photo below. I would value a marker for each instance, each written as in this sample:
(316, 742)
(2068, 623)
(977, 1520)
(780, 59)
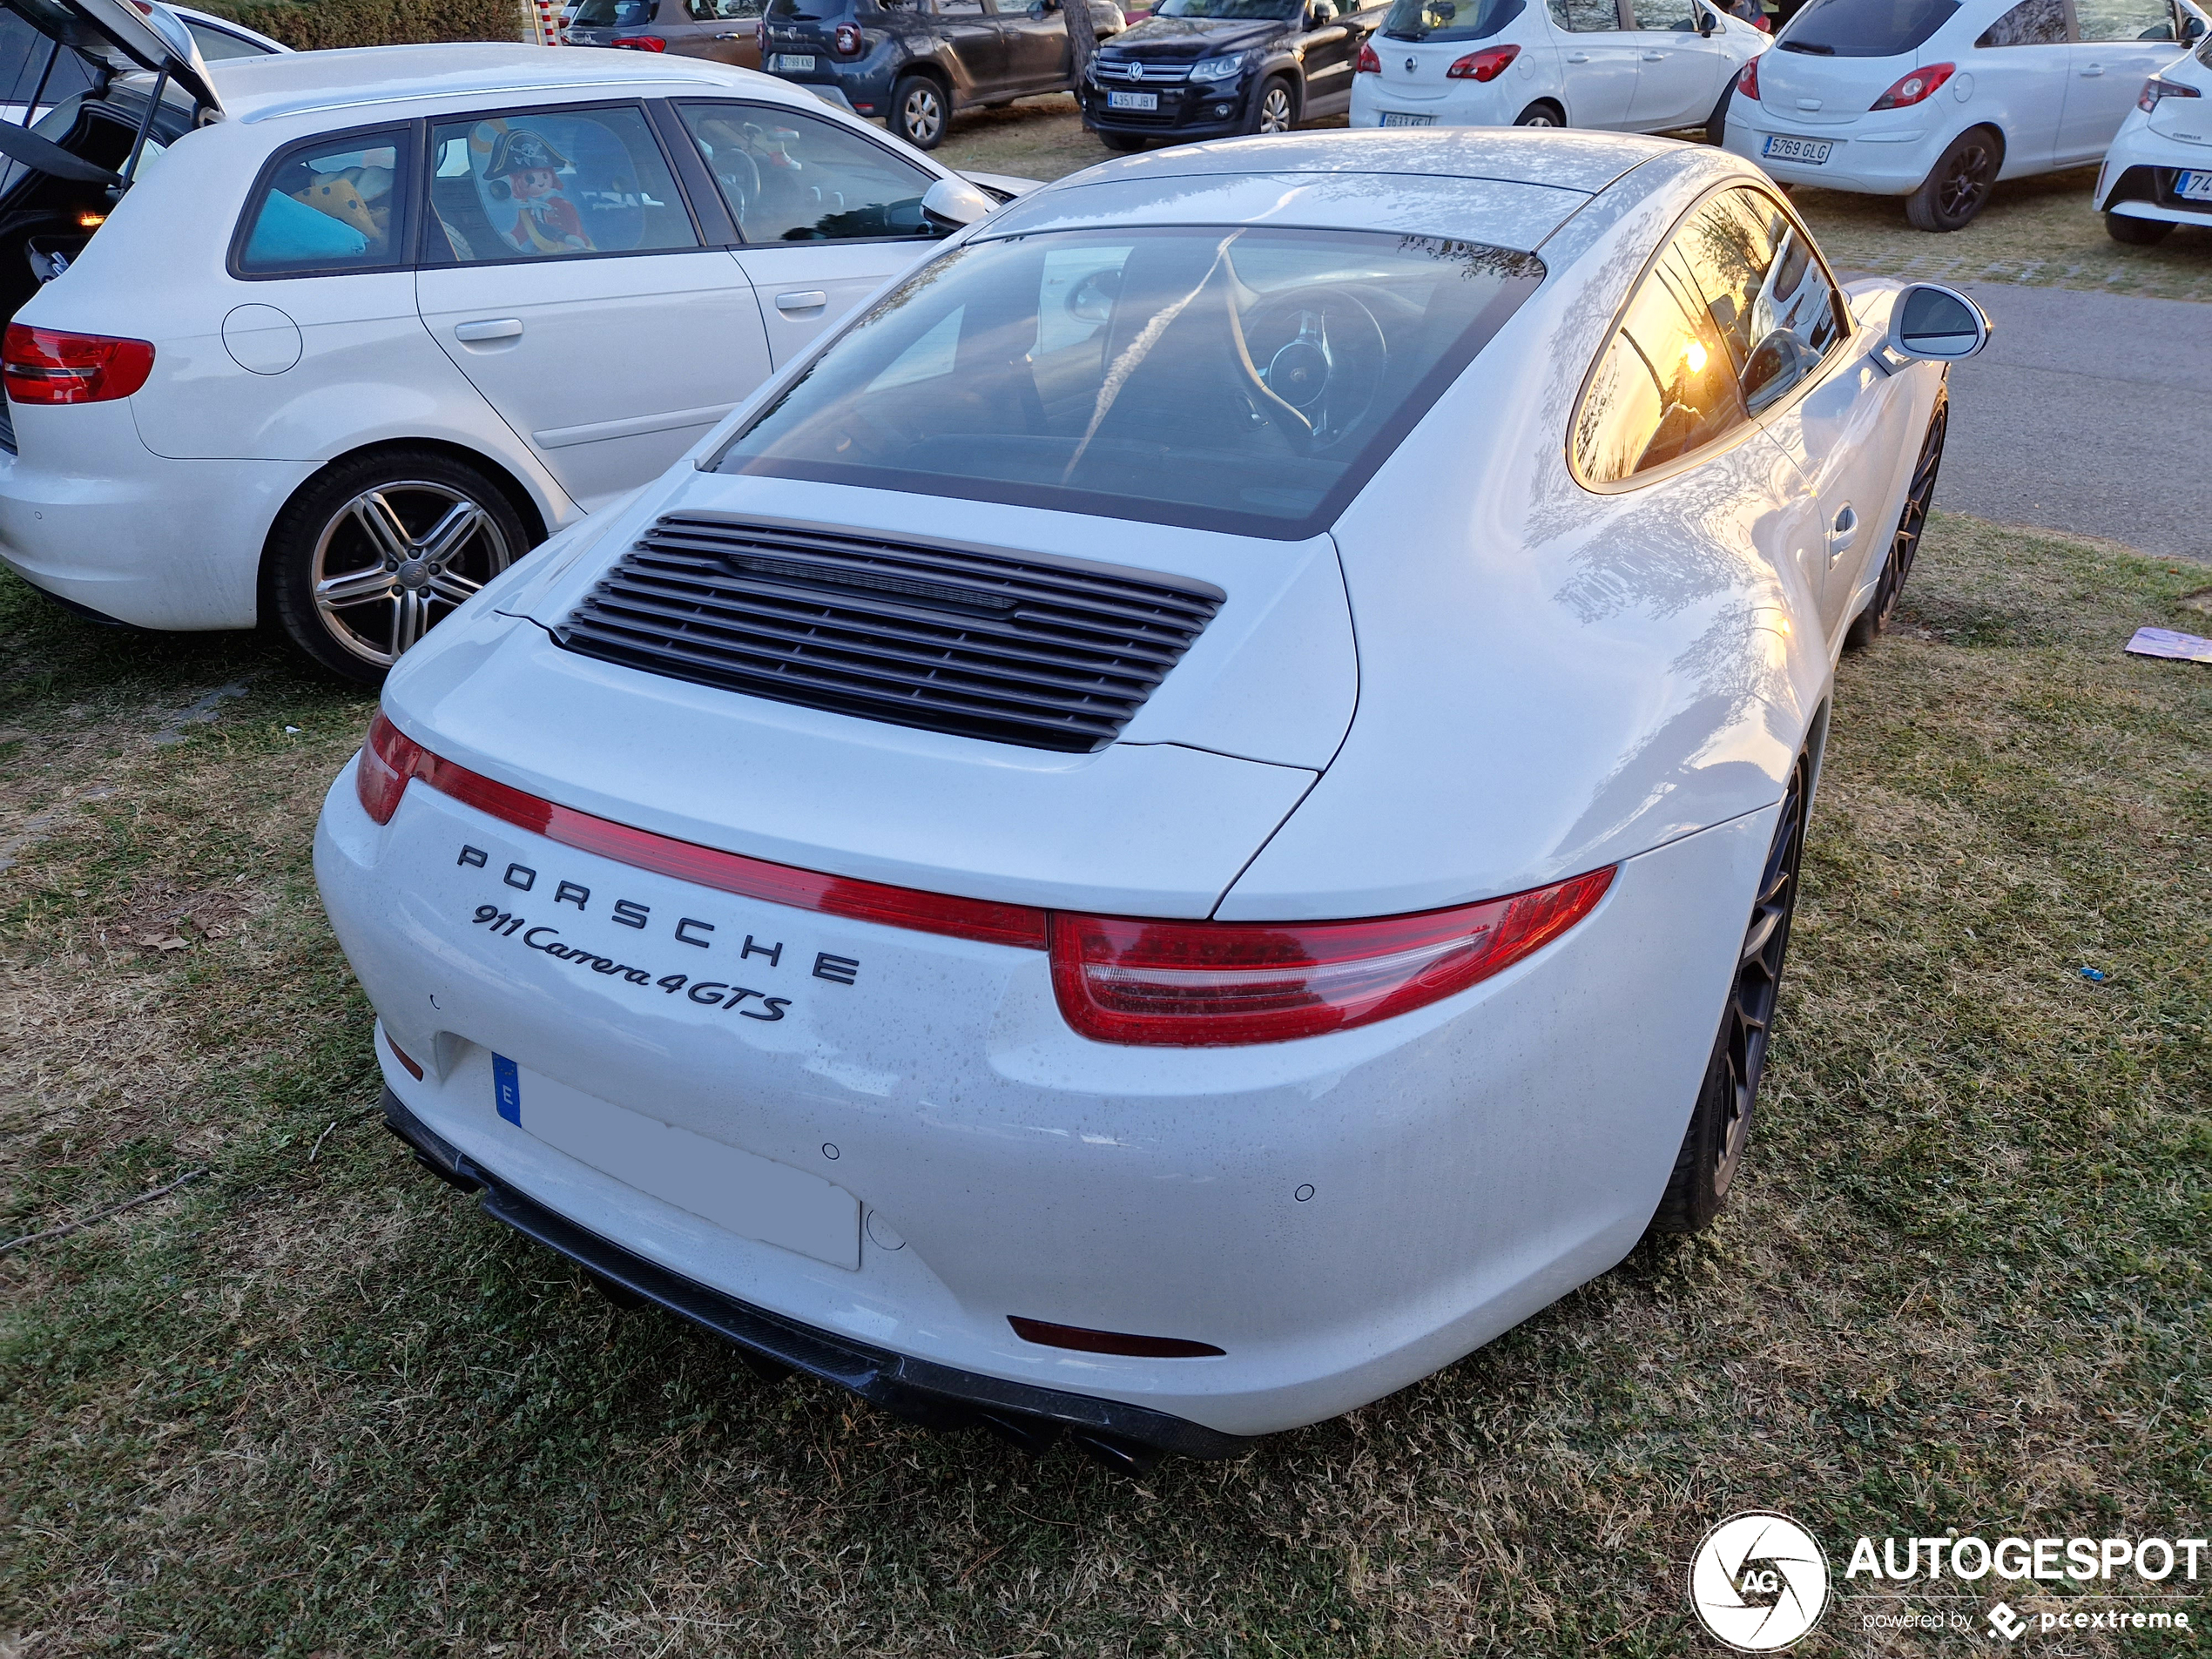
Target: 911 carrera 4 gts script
(711, 992)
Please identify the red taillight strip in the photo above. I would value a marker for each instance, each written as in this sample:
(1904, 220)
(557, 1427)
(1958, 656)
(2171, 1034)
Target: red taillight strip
(782, 884)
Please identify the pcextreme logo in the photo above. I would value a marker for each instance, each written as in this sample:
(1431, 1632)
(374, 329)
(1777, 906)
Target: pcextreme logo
(1758, 1582)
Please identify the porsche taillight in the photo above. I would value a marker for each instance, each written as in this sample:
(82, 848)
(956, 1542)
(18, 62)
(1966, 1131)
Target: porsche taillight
(1485, 66)
(1909, 89)
(1211, 984)
(388, 759)
(52, 366)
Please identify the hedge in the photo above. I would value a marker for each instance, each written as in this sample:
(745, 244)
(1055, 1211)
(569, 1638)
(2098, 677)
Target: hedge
(308, 24)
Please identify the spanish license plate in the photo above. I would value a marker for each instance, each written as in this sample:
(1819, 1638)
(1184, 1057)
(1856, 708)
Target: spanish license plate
(1401, 119)
(1132, 100)
(2193, 187)
(791, 61)
(1812, 152)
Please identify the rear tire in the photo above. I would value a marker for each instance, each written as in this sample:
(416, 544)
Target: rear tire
(1720, 1124)
(1958, 186)
(373, 552)
(1904, 543)
(2136, 233)
(920, 112)
(1542, 113)
(1717, 123)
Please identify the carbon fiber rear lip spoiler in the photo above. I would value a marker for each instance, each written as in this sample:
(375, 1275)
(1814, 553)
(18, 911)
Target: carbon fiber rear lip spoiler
(1129, 1438)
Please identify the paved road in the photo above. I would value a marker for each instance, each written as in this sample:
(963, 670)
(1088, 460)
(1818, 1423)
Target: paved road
(2088, 412)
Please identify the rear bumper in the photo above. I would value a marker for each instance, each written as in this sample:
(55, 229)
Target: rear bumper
(1185, 112)
(1863, 157)
(2138, 177)
(1129, 1437)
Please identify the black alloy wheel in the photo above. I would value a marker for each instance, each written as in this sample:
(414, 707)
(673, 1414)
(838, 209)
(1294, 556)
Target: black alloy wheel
(918, 111)
(1904, 544)
(1712, 1148)
(1958, 186)
(370, 556)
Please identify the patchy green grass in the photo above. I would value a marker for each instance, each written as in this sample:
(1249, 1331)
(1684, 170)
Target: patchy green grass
(2038, 230)
(314, 1403)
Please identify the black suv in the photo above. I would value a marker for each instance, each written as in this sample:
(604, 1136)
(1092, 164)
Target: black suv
(914, 61)
(1196, 69)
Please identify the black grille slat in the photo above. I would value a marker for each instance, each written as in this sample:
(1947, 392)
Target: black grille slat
(948, 639)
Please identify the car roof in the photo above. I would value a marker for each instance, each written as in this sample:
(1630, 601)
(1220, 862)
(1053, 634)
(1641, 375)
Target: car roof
(366, 77)
(1508, 186)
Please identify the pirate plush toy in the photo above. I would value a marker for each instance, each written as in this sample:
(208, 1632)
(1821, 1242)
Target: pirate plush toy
(524, 167)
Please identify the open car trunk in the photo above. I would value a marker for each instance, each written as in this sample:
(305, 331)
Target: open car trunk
(60, 174)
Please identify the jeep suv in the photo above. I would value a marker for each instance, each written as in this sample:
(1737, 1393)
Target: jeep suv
(914, 63)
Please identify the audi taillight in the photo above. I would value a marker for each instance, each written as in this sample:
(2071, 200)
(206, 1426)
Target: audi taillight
(2158, 88)
(848, 39)
(641, 42)
(49, 365)
(388, 759)
(1748, 82)
(1208, 984)
(1485, 66)
(1911, 89)
(1368, 64)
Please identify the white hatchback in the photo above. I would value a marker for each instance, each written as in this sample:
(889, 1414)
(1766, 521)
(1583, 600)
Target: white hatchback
(333, 337)
(1935, 100)
(2158, 172)
(1633, 65)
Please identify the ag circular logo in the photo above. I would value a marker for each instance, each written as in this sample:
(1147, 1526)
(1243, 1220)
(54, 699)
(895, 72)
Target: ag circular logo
(1758, 1582)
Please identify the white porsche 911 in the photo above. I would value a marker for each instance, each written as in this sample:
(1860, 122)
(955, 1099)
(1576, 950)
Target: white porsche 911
(1193, 817)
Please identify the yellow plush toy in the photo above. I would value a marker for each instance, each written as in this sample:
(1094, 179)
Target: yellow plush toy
(337, 197)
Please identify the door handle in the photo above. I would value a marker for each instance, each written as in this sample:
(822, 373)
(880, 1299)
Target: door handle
(1654, 57)
(806, 299)
(491, 328)
(729, 36)
(1845, 532)
(2093, 70)
(1578, 58)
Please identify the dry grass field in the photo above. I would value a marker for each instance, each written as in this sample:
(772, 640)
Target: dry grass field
(312, 1403)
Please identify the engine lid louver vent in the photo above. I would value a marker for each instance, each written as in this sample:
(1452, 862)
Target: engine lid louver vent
(951, 639)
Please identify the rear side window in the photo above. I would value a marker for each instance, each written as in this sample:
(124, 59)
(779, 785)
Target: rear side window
(1585, 17)
(1865, 28)
(334, 204)
(1449, 19)
(2124, 19)
(615, 13)
(2032, 22)
(555, 184)
(791, 177)
(1675, 17)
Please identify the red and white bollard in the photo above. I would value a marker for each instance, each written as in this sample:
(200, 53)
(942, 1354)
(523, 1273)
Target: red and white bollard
(542, 20)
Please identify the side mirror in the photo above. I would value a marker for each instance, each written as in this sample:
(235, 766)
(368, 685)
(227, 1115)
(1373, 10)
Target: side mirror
(953, 204)
(1706, 21)
(1936, 324)
(2192, 31)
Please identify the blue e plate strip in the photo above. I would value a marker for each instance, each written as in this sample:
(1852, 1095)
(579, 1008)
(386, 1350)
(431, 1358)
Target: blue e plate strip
(507, 1089)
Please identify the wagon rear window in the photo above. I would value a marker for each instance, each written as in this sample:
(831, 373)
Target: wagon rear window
(1865, 28)
(1225, 379)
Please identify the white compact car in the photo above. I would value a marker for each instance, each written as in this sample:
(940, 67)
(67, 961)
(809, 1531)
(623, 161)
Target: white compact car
(1633, 65)
(1197, 814)
(1935, 100)
(331, 337)
(2158, 172)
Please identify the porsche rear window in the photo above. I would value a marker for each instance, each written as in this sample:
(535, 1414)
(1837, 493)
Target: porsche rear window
(1865, 28)
(1240, 380)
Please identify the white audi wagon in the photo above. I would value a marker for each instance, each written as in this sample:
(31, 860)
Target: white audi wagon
(1195, 815)
(331, 338)
(1937, 100)
(1633, 65)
